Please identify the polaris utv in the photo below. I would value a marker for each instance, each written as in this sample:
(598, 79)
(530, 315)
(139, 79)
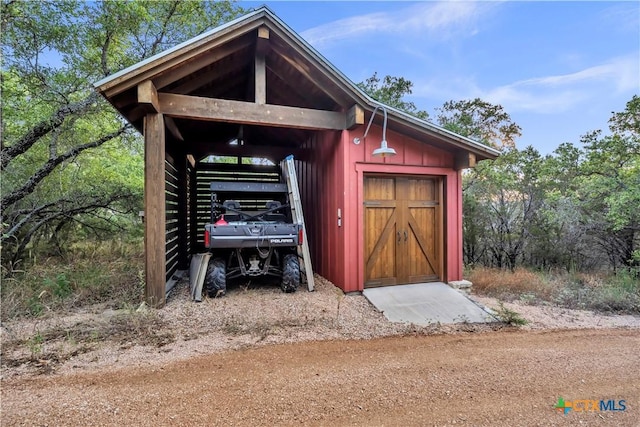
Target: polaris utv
(251, 234)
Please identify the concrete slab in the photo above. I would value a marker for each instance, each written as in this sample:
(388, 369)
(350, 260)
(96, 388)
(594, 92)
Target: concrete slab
(425, 304)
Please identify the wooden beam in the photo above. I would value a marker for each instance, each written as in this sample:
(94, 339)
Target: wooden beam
(171, 67)
(191, 160)
(263, 32)
(355, 116)
(262, 43)
(154, 205)
(230, 76)
(173, 128)
(465, 160)
(311, 73)
(192, 66)
(260, 76)
(224, 110)
(148, 97)
(260, 67)
(202, 149)
(294, 95)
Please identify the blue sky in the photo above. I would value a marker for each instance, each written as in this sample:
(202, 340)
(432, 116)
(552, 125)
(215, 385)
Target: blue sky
(558, 68)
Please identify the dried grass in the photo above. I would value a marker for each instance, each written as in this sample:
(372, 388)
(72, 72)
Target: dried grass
(586, 291)
(510, 285)
(49, 345)
(103, 273)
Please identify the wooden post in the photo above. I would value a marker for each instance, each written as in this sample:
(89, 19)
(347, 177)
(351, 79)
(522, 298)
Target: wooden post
(260, 69)
(148, 97)
(154, 202)
(260, 80)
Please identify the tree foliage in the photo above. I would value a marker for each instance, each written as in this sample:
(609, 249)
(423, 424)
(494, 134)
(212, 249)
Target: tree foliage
(391, 91)
(481, 121)
(576, 208)
(70, 164)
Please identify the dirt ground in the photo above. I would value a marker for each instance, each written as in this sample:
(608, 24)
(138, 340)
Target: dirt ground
(259, 357)
(508, 378)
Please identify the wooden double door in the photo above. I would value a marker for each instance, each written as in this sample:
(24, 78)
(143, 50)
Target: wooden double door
(403, 230)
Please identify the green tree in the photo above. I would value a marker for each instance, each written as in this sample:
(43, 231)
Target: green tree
(494, 210)
(576, 208)
(391, 91)
(559, 240)
(609, 186)
(68, 160)
(481, 121)
(502, 207)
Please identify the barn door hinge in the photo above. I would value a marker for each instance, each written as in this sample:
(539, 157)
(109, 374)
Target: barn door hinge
(372, 203)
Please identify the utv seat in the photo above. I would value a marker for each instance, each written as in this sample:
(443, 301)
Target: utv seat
(229, 214)
(275, 215)
(272, 204)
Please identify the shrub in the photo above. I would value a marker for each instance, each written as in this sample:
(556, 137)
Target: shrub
(509, 316)
(105, 272)
(619, 293)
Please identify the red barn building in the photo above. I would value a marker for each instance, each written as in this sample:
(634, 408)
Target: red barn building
(254, 88)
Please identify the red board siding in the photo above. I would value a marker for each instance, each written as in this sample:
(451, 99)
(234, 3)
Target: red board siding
(332, 178)
(320, 180)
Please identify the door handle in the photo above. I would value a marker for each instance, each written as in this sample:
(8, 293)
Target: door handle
(406, 236)
(399, 237)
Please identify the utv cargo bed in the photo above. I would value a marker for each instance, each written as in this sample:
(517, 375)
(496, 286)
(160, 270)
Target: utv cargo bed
(251, 234)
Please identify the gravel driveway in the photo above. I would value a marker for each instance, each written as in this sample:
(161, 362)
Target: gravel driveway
(260, 357)
(490, 379)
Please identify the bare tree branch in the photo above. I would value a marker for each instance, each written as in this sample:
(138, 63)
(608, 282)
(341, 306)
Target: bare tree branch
(67, 209)
(12, 151)
(29, 215)
(160, 37)
(50, 165)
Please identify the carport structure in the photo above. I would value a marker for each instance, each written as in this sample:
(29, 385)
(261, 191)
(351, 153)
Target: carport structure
(254, 88)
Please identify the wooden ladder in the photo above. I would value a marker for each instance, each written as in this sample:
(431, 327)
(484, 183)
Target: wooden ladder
(289, 170)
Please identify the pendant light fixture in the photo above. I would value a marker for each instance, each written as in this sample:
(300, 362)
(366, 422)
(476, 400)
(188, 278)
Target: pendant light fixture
(384, 150)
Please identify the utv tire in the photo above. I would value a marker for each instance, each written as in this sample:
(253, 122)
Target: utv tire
(215, 281)
(290, 273)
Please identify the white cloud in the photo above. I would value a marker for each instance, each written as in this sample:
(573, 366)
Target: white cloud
(544, 95)
(617, 70)
(441, 19)
(559, 93)
(622, 17)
